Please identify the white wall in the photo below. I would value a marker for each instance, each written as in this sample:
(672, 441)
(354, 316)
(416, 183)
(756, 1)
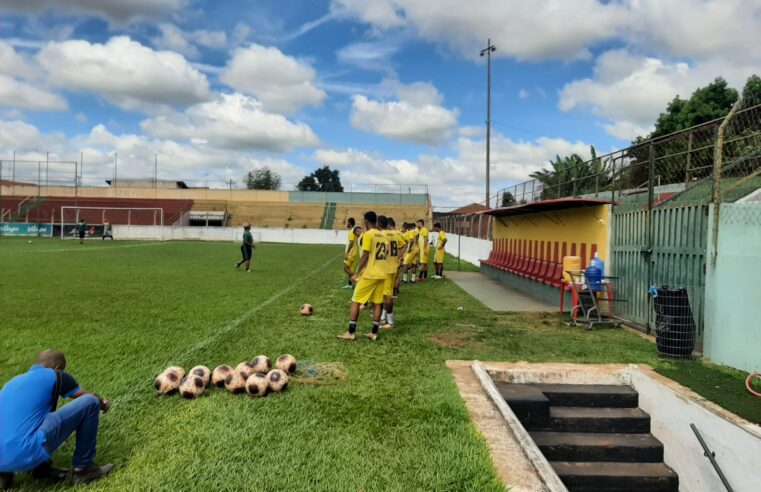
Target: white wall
(736, 443)
(267, 235)
(469, 249)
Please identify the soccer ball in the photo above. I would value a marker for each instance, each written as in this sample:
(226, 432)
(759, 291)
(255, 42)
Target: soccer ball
(192, 387)
(203, 372)
(177, 370)
(257, 384)
(277, 379)
(234, 382)
(306, 310)
(245, 369)
(167, 382)
(219, 375)
(287, 363)
(261, 363)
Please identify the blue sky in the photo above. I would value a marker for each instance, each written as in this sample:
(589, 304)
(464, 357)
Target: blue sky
(391, 92)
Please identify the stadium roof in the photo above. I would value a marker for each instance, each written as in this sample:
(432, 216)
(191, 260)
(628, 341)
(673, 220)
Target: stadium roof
(469, 209)
(545, 206)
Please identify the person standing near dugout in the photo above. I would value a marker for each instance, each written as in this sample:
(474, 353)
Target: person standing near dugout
(438, 256)
(247, 248)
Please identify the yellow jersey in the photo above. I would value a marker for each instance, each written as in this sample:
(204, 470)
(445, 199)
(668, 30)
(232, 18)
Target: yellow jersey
(423, 239)
(412, 238)
(352, 240)
(376, 245)
(396, 242)
(440, 239)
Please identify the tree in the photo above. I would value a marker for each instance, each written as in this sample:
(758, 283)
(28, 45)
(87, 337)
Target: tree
(262, 179)
(752, 92)
(322, 179)
(508, 200)
(572, 176)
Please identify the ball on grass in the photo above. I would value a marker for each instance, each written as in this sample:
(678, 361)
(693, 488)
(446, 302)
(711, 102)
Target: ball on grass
(245, 369)
(278, 380)
(177, 370)
(167, 382)
(29, 242)
(203, 372)
(306, 310)
(192, 387)
(287, 363)
(219, 375)
(257, 384)
(261, 363)
(234, 382)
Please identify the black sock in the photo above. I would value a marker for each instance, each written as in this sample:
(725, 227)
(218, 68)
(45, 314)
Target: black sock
(352, 327)
(376, 327)
(396, 291)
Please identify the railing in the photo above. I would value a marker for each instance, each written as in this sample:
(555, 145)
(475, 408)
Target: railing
(712, 458)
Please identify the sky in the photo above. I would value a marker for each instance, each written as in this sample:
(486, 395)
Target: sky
(390, 92)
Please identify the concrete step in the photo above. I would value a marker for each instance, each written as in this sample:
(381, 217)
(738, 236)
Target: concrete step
(617, 477)
(527, 402)
(592, 419)
(582, 446)
(589, 395)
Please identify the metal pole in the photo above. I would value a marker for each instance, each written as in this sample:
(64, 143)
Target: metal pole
(712, 458)
(116, 161)
(155, 171)
(13, 175)
(488, 50)
(47, 169)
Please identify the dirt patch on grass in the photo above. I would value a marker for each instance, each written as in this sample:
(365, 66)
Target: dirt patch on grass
(466, 337)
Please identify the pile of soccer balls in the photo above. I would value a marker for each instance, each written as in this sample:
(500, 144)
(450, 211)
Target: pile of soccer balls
(257, 378)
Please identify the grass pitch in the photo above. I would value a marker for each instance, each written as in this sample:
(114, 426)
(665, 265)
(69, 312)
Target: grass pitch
(123, 311)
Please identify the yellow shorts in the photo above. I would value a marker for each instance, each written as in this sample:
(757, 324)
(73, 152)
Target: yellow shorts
(411, 258)
(389, 284)
(439, 256)
(424, 257)
(351, 263)
(369, 290)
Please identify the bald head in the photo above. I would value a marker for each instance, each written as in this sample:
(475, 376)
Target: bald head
(53, 359)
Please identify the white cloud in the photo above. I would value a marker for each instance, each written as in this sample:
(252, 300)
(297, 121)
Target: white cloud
(523, 94)
(115, 10)
(12, 63)
(124, 72)
(20, 94)
(282, 83)
(233, 121)
(457, 179)
(81, 117)
(416, 116)
(173, 38)
(211, 39)
(370, 55)
(631, 90)
(24, 138)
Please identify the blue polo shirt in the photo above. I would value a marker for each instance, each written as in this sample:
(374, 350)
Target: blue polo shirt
(24, 403)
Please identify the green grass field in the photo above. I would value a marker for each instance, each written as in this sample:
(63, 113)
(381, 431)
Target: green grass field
(123, 311)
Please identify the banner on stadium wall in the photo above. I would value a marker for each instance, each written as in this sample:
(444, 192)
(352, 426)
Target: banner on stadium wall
(70, 230)
(25, 229)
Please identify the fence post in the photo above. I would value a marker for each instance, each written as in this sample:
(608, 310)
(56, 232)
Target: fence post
(689, 162)
(717, 163)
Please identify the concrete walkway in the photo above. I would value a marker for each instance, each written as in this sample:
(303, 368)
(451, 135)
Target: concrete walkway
(496, 296)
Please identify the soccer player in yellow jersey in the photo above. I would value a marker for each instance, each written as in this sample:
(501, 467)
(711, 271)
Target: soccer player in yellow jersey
(438, 256)
(410, 258)
(396, 244)
(351, 253)
(424, 249)
(370, 277)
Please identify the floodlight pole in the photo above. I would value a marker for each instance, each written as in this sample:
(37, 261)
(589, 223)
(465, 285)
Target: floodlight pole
(488, 50)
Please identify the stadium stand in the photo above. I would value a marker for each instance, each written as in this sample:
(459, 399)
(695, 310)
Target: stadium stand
(276, 214)
(400, 213)
(48, 210)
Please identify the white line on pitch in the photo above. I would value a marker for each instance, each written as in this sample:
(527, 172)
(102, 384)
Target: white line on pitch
(139, 388)
(99, 248)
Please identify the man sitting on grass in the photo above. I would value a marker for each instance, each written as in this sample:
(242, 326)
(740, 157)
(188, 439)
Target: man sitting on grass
(31, 428)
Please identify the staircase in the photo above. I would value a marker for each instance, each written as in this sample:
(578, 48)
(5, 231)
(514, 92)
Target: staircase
(328, 216)
(594, 436)
(28, 204)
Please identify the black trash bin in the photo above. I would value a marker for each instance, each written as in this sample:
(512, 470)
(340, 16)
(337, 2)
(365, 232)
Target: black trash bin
(675, 331)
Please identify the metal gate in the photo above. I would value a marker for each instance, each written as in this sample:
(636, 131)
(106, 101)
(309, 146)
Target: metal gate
(665, 247)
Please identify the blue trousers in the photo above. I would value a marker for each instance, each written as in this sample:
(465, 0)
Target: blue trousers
(80, 416)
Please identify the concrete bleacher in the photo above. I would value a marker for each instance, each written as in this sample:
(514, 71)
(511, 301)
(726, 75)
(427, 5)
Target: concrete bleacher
(276, 214)
(48, 210)
(400, 213)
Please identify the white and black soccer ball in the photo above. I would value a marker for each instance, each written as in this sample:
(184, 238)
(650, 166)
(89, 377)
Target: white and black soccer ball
(306, 310)
(203, 372)
(177, 370)
(235, 383)
(257, 384)
(278, 380)
(261, 363)
(192, 387)
(245, 369)
(167, 382)
(287, 363)
(219, 375)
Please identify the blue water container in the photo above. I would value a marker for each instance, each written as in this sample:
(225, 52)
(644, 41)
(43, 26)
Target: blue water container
(594, 278)
(597, 262)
